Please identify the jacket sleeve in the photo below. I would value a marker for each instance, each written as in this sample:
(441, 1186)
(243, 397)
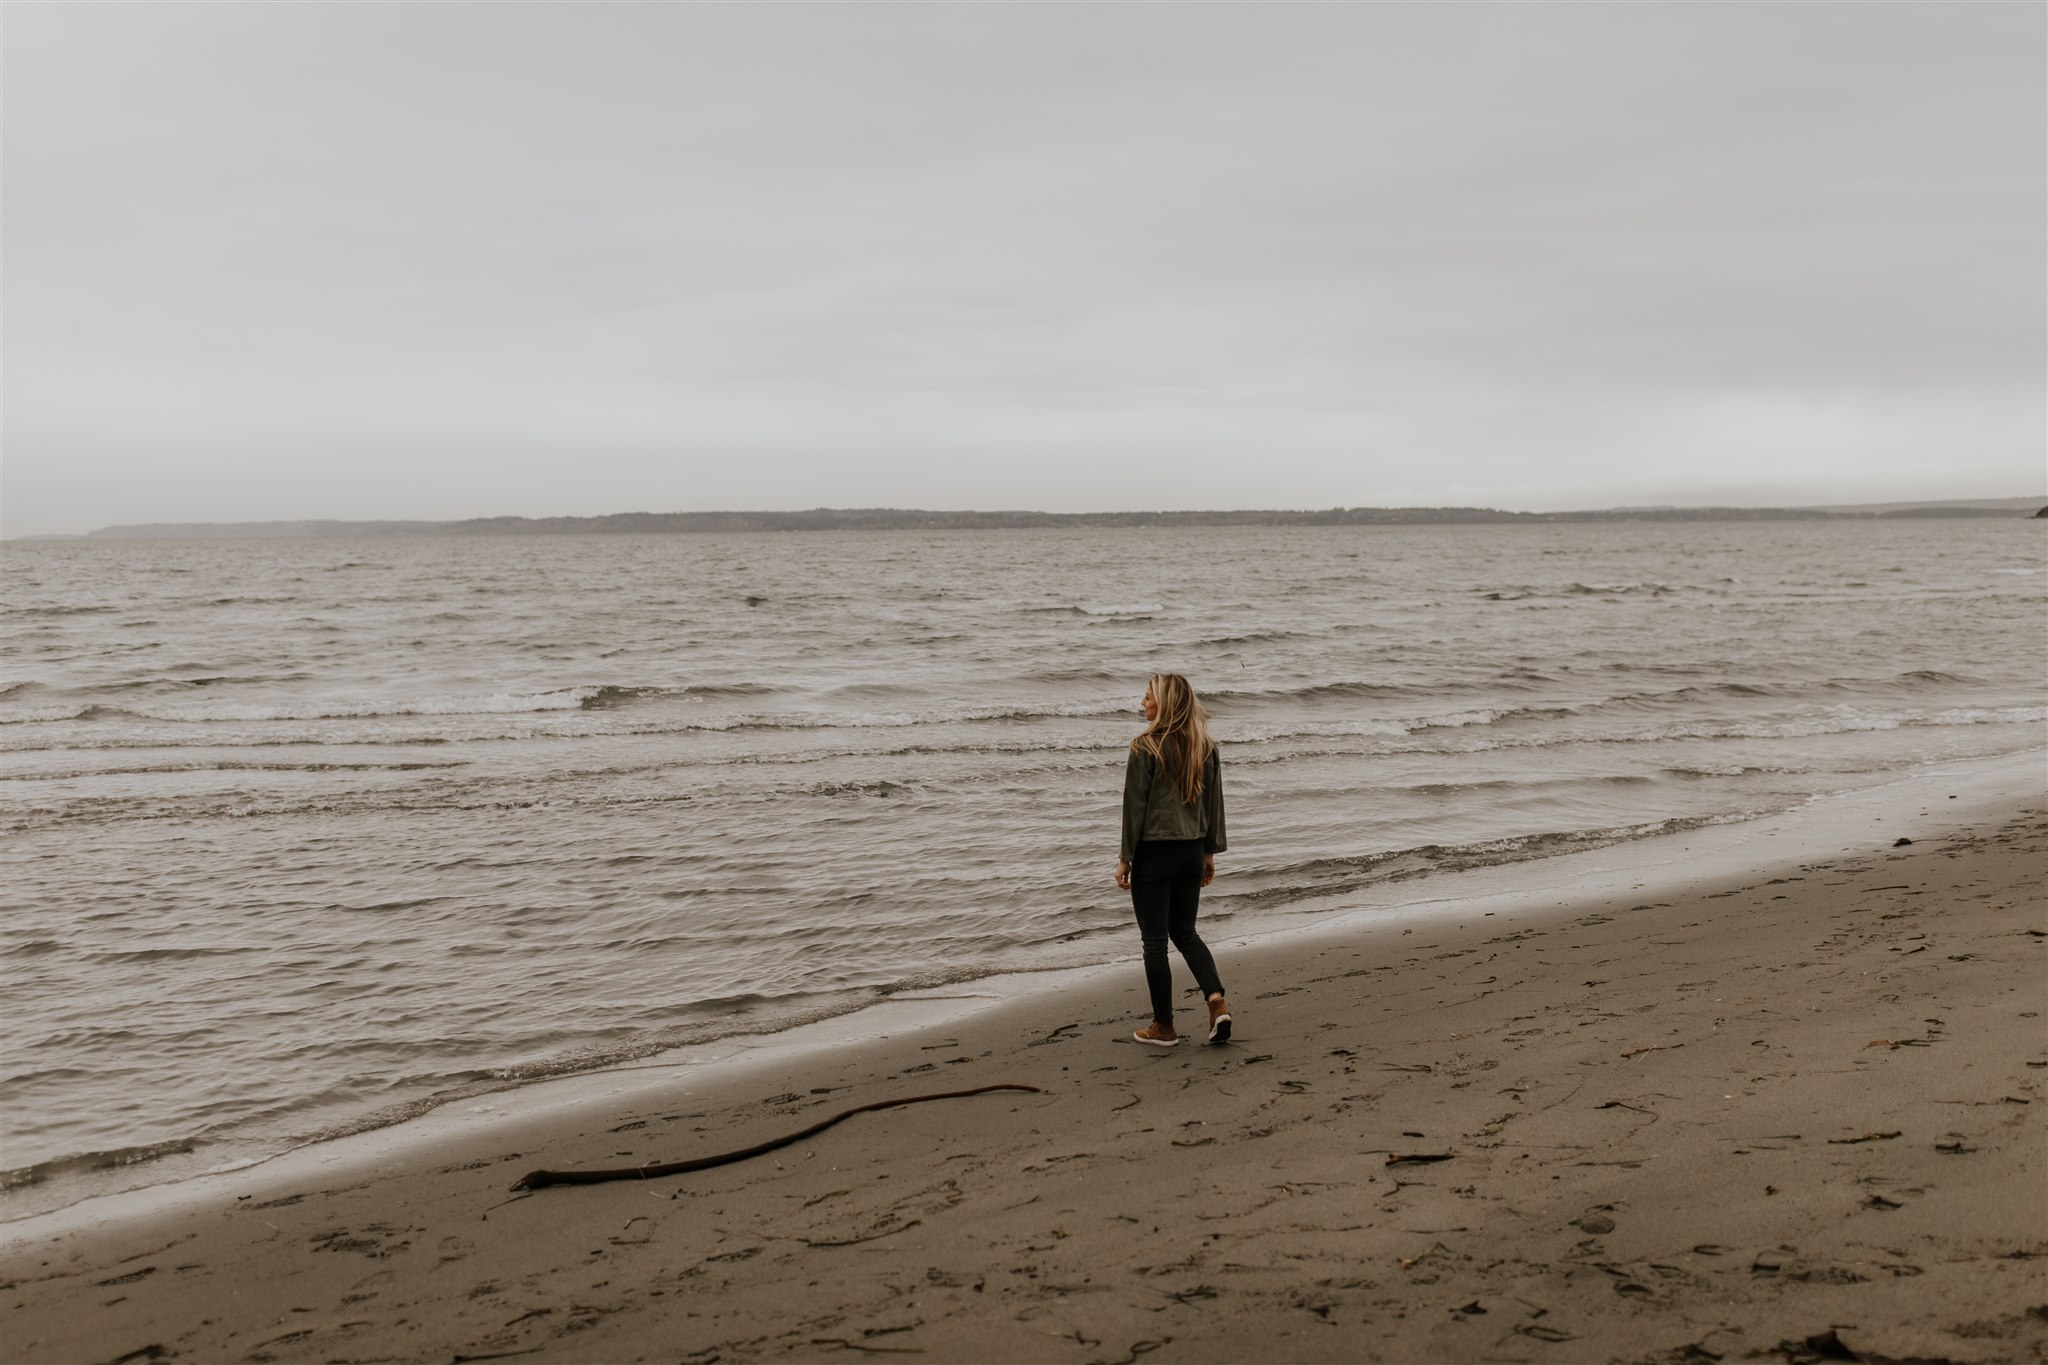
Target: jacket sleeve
(1137, 788)
(1212, 801)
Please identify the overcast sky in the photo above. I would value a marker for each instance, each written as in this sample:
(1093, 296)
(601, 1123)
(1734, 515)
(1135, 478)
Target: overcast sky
(281, 261)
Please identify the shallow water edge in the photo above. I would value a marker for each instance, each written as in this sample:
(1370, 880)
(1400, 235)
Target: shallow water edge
(1864, 820)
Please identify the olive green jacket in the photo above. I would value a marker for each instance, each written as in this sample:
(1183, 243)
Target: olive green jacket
(1154, 810)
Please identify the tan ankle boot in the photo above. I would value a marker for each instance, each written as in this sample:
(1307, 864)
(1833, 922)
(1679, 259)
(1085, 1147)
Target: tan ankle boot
(1219, 1019)
(1157, 1034)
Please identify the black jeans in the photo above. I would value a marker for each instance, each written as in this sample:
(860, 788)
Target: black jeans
(1166, 889)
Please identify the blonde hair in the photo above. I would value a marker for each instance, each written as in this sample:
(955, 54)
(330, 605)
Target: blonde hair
(1178, 736)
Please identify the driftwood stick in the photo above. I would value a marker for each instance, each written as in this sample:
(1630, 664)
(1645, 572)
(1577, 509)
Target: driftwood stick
(534, 1180)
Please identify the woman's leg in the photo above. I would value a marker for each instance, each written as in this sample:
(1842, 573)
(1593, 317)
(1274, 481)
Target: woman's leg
(1182, 904)
(1151, 895)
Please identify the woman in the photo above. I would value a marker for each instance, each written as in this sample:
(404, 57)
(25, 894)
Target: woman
(1173, 830)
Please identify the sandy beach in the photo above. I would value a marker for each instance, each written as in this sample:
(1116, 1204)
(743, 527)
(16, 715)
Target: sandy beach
(1762, 1092)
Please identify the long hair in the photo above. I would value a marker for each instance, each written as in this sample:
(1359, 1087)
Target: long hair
(1178, 736)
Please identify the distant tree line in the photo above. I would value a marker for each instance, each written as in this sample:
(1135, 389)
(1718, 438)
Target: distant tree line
(911, 519)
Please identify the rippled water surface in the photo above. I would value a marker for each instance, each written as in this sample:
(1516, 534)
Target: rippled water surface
(303, 835)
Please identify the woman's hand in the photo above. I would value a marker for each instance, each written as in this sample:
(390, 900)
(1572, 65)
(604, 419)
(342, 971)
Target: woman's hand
(1208, 868)
(1123, 875)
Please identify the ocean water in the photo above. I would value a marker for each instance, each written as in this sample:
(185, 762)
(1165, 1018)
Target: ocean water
(306, 836)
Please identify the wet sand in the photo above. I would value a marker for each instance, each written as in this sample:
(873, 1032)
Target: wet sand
(1676, 1113)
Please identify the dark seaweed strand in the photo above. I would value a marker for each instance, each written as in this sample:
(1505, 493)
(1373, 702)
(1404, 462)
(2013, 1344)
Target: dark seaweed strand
(534, 1180)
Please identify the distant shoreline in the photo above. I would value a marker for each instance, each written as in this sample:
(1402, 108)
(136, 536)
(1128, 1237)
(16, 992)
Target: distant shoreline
(913, 519)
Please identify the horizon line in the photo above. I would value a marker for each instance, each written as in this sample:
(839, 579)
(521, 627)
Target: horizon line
(1982, 505)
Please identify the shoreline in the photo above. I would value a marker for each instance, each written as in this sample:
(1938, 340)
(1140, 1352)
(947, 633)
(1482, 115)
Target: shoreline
(96, 1175)
(1282, 1229)
(1714, 847)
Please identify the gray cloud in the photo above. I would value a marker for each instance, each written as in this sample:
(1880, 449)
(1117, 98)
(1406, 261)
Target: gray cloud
(449, 260)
